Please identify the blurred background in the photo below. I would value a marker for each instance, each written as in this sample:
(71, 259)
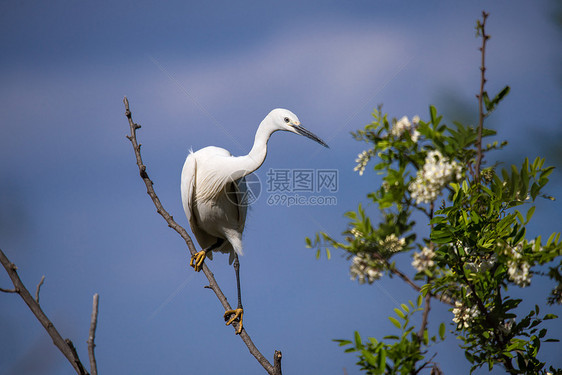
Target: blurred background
(73, 208)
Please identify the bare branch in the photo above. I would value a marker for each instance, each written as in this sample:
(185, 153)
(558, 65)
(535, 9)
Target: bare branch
(65, 346)
(92, 336)
(271, 369)
(480, 96)
(39, 288)
(277, 362)
(8, 290)
(435, 369)
(75, 354)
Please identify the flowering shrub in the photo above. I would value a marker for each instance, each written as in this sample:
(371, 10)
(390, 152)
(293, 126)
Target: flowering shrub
(477, 249)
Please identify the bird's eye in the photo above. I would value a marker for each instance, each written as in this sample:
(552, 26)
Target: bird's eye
(286, 119)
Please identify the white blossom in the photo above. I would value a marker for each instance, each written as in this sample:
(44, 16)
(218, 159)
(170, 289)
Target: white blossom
(532, 243)
(509, 324)
(436, 173)
(356, 233)
(423, 260)
(404, 125)
(362, 160)
(392, 243)
(517, 268)
(362, 269)
(415, 136)
(463, 316)
(519, 273)
(481, 265)
(400, 127)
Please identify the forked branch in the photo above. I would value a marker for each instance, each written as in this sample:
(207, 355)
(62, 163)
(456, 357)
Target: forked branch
(274, 369)
(64, 345)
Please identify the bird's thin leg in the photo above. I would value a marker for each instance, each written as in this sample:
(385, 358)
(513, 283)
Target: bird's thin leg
(236, 315)
(197, 260)
(237, 271)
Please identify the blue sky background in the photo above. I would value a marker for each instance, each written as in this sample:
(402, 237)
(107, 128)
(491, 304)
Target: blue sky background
(73, 208)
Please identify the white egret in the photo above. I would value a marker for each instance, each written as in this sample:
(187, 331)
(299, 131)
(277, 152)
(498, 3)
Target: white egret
(213, 195)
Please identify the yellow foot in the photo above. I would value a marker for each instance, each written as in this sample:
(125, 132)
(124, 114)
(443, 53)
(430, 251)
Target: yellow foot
(197, 260)
(234, 316)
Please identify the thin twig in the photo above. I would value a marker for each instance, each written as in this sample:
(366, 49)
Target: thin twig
(426, 309)
(8, 290)
(271, 369)
(481, 27)
(92, 336)
(39, 288)
(428, 362)
(480, 96)
(65, 346)
(416, 287)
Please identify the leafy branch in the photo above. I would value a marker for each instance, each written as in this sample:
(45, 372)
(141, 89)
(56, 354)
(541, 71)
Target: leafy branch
(477, 249)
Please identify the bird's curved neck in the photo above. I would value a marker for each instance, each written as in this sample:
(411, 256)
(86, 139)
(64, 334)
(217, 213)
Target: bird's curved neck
(249, 163)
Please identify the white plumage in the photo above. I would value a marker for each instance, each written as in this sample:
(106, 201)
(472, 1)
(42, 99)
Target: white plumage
(213, 193)
(213, 203)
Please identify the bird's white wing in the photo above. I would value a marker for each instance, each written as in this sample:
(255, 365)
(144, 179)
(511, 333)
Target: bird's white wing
(242, 202)
(188, 174)
(188, 181)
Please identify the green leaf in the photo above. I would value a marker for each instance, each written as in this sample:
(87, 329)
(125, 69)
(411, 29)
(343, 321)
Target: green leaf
(382, 360)
(519, 235)
(501, 95)
(358, 342)
(328, 254)
(370, 358)
(433, 114)
(537, 246)
(550, 316)
(549, 241)
(442, 331)
(505, 223)
(491, 104)
(519, 216)
(530, 213)
(395, 322)
(441, 236)
(391, 337)
(405, 307)
(486, 100)
(342, 342)
(399, 313)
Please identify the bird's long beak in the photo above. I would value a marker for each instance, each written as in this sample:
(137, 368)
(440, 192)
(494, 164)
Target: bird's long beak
(299, 129)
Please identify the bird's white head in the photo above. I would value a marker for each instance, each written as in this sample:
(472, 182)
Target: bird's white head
(283, 119)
